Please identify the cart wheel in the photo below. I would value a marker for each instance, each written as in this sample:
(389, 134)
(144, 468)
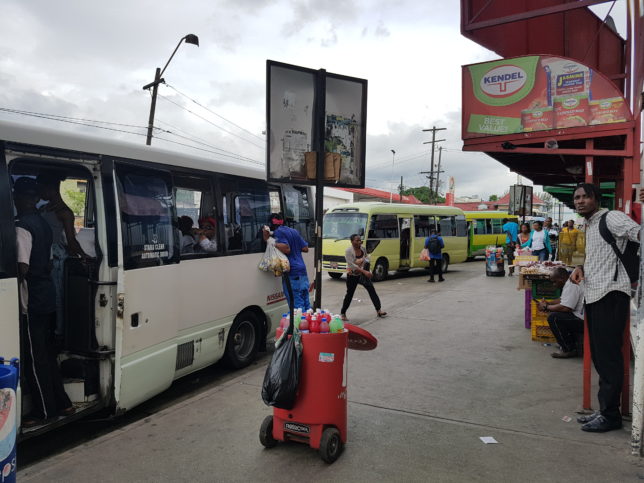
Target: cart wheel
(330, 445)
(266, 433)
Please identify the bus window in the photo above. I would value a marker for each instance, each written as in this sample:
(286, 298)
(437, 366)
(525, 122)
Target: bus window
(147, 211)
(383, 226)
(479, 227)
(447, 226)
(461, 225)
(497, 226)
(298, 212)
(276, 205)
(188, 204)
(251, 210)
(194, 198)
(423, 225)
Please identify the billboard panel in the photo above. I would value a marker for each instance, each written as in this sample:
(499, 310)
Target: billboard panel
(291, 114)
(537, 93)
(520, 200)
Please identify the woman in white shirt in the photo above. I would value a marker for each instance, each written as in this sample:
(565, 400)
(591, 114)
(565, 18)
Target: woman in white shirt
(539, 242)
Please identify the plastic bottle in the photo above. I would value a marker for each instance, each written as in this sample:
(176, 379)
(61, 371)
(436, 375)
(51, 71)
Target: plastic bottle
(284, 322)
(304, 325)
(298, 321)
(324, 326)
(314, 326)
(336, 325)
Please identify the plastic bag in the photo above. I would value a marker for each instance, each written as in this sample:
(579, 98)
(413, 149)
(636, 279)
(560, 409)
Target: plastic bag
(282, 376)
(424, 255)
(274, 260)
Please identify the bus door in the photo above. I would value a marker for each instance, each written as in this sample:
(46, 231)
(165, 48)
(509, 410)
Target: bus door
(9, 311)
(405, 241)
(148, 301)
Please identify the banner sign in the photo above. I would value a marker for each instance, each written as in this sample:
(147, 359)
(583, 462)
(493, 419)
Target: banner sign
(537, 93)
(520, 200)
(290, 116)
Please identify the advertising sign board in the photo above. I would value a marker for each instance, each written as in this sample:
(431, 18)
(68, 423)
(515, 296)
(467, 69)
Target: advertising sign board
(291, 114)
(537, 93)
(520, 200)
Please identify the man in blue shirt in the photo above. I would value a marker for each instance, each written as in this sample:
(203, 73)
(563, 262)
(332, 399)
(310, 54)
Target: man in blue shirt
(291, 243)
(511, 230)
(434, 244)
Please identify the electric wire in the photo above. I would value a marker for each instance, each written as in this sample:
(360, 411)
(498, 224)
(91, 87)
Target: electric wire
(20, 111)
(213, 112)
(209, 121)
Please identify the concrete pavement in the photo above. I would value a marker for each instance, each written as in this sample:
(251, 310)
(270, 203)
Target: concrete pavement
(454, 363)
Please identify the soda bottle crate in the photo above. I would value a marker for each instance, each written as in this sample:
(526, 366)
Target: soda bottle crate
(545, 288)
(536, 313)
(541, 332)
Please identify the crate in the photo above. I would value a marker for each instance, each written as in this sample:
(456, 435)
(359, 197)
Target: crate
(541, 332)
(545, 289)
(534, 310)
(524, 283)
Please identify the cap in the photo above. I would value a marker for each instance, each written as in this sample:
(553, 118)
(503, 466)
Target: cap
(25, 186)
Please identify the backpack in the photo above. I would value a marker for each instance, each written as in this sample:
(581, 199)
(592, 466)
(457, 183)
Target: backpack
(434, 246)
(630, 258)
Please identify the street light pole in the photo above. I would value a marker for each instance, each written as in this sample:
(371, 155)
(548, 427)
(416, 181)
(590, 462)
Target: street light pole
(393, 158)
(188, 39)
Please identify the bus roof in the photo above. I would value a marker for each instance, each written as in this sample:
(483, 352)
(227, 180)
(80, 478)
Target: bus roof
(488, 214)
(398, 208)
(83, 143)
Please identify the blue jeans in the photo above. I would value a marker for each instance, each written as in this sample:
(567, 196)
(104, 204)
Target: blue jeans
(300, 286)
(542, 254)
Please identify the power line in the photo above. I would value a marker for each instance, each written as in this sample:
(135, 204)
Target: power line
(213, 112)
(247, 160)
(209, 121)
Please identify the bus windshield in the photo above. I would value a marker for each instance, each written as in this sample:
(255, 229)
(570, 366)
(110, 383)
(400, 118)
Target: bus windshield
(341, 226)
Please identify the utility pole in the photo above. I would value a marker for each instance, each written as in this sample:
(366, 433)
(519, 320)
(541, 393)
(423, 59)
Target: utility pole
(438, 171)
(431, 166)
(400, 190)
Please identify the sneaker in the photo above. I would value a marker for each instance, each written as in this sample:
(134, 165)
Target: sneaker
(588, 417)
(564, 355)
(601, 425)
(431, 280)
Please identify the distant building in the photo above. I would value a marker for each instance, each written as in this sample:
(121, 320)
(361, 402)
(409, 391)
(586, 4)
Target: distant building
(502, 204)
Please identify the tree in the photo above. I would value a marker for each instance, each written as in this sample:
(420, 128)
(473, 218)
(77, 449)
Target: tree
(423, 195)
(493, 198)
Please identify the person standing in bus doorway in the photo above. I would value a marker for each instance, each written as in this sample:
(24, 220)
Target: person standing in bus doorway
(511, 230)
(357, 273)
(291, 243)
(607, 294)
(38, 307)
(60, 219)
(434, 244)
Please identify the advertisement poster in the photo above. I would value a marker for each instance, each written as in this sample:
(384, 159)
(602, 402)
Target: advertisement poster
(537, 93)
(290, 119)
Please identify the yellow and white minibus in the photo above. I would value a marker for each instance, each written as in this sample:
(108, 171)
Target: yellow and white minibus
(485, 228)
(394, 235)
(140, 314)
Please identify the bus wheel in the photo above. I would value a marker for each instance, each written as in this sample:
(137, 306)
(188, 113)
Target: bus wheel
(335, 275)
(241, 347)
(381, 270)
(445, 263)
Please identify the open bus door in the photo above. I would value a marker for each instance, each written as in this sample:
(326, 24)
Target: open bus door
(9, 304)
(147, 284)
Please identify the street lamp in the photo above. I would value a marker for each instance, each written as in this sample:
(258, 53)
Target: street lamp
(188, 39)
(393, 157)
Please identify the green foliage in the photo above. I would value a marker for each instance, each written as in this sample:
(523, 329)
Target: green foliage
(75, 200)
(423, 194)
(493, 198)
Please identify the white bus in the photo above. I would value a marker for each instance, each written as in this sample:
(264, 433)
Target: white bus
(141, 314)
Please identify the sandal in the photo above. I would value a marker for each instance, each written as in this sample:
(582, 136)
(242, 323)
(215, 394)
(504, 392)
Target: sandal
(382, 314)
(344, 318)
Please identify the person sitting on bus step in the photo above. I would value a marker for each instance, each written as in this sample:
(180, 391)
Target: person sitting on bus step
(539, 242)
(207, 235)
(566, 318)
(38, 307)
(357, 273)
(291, 244)
(434, 244)
(511, 230)
(187, 239)
(61, 221)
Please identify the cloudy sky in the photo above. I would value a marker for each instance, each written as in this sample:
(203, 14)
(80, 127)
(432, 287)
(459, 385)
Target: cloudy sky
(88, 60)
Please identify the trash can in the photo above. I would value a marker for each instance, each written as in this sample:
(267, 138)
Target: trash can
(9, 376)
(494, 263)
(319, 416)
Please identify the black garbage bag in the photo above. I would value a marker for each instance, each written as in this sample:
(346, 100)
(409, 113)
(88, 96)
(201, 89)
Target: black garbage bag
(283, 375)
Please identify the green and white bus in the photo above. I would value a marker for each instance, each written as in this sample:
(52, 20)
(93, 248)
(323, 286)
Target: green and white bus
(394, 235)
(141, 314)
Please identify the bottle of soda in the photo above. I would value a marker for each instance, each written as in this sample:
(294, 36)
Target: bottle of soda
(314, 326)
(324, 326)
(304, 325)
(284, 322)
(336, 325)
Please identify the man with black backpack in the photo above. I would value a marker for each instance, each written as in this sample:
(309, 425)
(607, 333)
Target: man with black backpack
(611, 265)
(434, 244)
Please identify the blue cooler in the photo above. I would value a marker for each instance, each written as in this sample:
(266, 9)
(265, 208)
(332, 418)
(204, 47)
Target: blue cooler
(9, 376)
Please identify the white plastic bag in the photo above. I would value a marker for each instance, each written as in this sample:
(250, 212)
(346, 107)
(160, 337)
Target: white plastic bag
(274, 260)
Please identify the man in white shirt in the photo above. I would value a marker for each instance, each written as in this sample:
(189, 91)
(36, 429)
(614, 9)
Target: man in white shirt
(566, 319)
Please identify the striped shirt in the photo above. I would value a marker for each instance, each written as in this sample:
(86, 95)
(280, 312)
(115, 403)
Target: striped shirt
(599, 267)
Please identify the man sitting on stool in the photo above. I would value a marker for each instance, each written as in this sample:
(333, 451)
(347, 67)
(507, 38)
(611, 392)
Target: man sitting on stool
(566, 318)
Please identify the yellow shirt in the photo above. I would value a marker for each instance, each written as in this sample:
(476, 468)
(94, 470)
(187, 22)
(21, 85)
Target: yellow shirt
(568, 236)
